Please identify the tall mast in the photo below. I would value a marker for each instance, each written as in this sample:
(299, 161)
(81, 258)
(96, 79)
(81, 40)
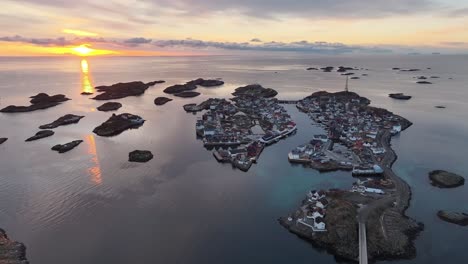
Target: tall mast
(346, 87)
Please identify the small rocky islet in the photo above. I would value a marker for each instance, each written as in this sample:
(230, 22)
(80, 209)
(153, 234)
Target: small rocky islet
(187, 94)
(192, 85)
(62, 148)
(140, 156)
(38, 102)
(453, 217)
(109, 106)
(161, 100)
(400, 96)
(445, 179)
(41, 134)
(63, 121)
(11, 252)
(117, 124)
(2, 140)
(122, 90)
(255, 90)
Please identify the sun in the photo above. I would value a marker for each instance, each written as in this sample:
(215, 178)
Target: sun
(82, 50)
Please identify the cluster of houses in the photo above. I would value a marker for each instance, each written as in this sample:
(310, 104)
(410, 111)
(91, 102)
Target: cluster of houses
(350, 121)
(313, 211)
(243, 127)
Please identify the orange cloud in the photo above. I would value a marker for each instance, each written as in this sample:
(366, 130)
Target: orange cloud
(80, 33)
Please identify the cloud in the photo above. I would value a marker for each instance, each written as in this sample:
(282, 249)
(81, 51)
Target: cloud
(462, 12)
(256, 40)
(304, 8)
(300, 46)
(454, 43)
(253, 8)
(137, 41)
(38, 41)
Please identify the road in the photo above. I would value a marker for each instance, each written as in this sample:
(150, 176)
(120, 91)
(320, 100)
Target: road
(400, 197)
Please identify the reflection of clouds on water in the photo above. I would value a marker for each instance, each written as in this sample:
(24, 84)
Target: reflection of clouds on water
(95, 170)
(87, 87)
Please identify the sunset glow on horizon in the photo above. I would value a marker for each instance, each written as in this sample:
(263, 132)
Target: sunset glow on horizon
(126, 28)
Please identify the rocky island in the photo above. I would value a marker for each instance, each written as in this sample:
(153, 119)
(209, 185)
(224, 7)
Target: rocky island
(192, 85)
(117, 124)
(109, 106)
(2, 140)
(140, 156)
(454, 217)
(122, 90)
(445, 179)
(11, 252)
(255, 90)
(66, 147)
(39, 101)
(161, 100)
(187, 94)
(238, 130)
(41, 134)
(358, 139)
(63, 121)
(400, 96)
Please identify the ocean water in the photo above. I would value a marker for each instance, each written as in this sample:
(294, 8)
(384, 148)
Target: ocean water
(92, 206)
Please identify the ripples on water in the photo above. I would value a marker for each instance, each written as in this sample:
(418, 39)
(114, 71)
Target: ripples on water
(92, 206)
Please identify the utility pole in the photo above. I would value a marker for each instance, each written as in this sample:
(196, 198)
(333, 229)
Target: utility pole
(346, 87)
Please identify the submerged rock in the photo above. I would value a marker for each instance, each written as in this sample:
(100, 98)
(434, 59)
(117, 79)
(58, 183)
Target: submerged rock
(327, 69)
(2, 140)
(140, 156)
(255, 90)
(122, 90)
(161, 100)
(62, 121)
(187, 94)
(87, 93)
(39, 101)
(440, 106)
(41, 134)
(454, 217)
(423, 82)
(355, 78)
(11, 252)
(66, 147)
(399, 96)
(312, 69)
(109, 106)
(445, 179)
(117, 124)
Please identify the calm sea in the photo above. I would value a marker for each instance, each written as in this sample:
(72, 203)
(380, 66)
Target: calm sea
(92, 206)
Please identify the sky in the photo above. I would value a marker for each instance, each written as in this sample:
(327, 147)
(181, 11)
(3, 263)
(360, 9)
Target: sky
(201, 27)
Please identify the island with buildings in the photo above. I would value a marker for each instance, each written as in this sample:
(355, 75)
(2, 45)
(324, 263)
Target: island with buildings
(238, 129)
(366, 221)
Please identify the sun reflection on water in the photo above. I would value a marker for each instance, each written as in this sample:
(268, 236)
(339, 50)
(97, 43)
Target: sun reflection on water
(87, 87)
(95, 170)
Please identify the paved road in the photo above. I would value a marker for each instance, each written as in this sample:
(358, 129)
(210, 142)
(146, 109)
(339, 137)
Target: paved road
(401, 196)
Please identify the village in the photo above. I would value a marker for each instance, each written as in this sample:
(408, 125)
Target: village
(240, 129)
(354, 130)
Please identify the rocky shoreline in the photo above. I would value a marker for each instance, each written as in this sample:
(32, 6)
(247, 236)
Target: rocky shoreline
(38, 102)
(11, 252)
